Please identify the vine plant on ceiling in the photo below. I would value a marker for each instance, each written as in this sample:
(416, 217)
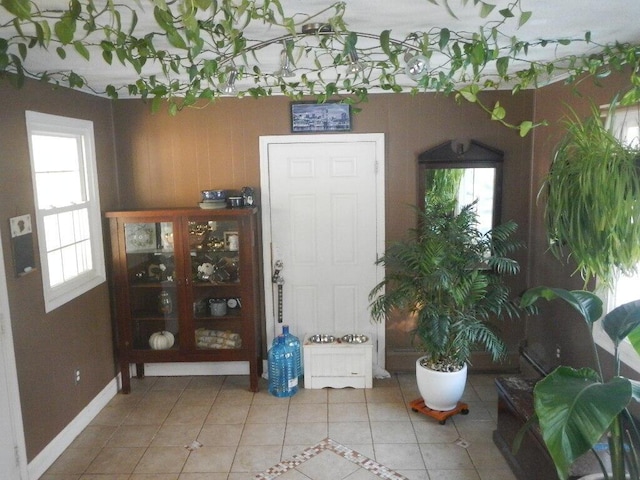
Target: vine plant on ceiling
(198, 48)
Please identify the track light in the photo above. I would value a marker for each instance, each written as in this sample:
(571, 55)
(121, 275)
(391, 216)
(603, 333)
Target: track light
(355, 66)
(230, 86)
(417, 67)
(285, 64)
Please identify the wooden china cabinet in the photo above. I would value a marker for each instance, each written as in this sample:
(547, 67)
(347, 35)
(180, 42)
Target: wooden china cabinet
(193, 273)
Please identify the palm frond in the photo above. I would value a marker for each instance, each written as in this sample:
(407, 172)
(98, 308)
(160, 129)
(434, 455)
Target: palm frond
(451, 276)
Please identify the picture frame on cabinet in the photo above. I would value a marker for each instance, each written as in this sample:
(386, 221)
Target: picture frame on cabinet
(140, 237)
(313, 117)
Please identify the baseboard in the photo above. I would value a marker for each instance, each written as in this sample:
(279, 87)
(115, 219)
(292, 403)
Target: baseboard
(61, 442)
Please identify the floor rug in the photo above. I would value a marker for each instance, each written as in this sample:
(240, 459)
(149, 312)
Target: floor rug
(328, 445)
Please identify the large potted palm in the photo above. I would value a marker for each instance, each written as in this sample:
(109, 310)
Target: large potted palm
(451, 278)
(578, 408)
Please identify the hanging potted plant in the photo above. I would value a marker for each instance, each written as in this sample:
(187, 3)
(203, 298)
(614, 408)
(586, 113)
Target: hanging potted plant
(451, 278)
(593, 199)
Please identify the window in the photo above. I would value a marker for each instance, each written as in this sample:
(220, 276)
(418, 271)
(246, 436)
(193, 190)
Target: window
(63, 169)
(625, 124)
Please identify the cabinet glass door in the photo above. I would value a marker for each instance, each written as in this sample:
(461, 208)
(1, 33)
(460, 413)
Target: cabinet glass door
(214, 248)
(153, 298)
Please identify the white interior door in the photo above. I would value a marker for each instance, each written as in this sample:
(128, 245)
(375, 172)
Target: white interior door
(13, 460)
(323, 218)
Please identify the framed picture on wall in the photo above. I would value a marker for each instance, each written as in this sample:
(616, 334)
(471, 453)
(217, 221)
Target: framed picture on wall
(310, 117)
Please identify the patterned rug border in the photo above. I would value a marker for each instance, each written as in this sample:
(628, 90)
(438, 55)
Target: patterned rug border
(327, 444)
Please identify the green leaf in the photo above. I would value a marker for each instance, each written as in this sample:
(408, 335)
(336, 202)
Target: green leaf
(588, 304)
(61, 53)
(575, 410)
(43, 31)
(176, 39)
(22, 49)
(506, 13)
(621, 321)
(486, 10)
(384, 42)
(498, 112)
(81, 49)
(65, 29)
(445, 35)
(634, 338)
(111, 92)
(470, 93)
(446, 5)
(502, 66)
(203, 4)
(524, 18)
(19, 8)
(134, 21)
(525, 127)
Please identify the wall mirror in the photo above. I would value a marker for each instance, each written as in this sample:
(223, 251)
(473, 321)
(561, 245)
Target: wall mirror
(468, 171)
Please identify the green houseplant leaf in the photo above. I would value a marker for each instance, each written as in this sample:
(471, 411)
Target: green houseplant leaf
(575, 410)
(588, 304)
(621, 321)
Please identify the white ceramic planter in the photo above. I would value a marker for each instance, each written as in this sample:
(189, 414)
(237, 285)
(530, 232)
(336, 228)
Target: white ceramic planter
(440, 390)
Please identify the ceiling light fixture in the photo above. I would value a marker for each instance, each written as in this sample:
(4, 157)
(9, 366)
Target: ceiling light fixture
(417, 66)
(355, 65)
(285, 70)
(229, 87)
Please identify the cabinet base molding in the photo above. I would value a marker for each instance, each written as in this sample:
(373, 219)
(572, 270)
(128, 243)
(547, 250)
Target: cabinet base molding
(184, 369)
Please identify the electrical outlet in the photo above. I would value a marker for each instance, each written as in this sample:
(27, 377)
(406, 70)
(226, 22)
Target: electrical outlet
(557, 352)
(77, 376)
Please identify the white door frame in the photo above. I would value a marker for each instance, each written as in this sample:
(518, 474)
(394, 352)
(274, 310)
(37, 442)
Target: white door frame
(265, 141)
(8, 370)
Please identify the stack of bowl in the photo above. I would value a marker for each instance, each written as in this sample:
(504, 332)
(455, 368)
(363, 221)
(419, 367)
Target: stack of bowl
(214, 199)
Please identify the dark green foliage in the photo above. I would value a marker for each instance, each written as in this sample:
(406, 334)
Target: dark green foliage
(451, 277)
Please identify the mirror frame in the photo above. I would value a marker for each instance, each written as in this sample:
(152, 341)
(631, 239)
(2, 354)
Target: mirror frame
(453, 154)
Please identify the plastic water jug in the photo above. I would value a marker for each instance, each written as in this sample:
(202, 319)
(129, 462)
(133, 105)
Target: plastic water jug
(283, 381)
(294, 343)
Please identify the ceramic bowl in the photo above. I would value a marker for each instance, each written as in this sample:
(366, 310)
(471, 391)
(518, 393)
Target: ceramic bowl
(235, 202)
(214, 195)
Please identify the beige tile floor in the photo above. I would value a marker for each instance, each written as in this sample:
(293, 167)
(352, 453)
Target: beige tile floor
(142, 436)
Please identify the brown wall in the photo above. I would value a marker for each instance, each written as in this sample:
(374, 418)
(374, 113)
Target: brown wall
(556, 326)
(165, 161)
(49, 347)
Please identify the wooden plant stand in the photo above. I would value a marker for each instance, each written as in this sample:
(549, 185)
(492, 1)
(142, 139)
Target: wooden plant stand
(418, 405)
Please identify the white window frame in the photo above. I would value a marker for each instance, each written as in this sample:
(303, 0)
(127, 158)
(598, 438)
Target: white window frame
(42, 123)
(623, 119)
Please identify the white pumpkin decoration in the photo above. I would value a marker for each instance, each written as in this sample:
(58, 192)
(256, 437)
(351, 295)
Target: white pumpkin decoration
(161, 340)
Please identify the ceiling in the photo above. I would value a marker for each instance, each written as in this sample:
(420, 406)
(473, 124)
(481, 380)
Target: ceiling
(608, 21)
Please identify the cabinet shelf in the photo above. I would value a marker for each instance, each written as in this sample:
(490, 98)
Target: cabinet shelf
(156, 285)
(167, 256)
(152, 317)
